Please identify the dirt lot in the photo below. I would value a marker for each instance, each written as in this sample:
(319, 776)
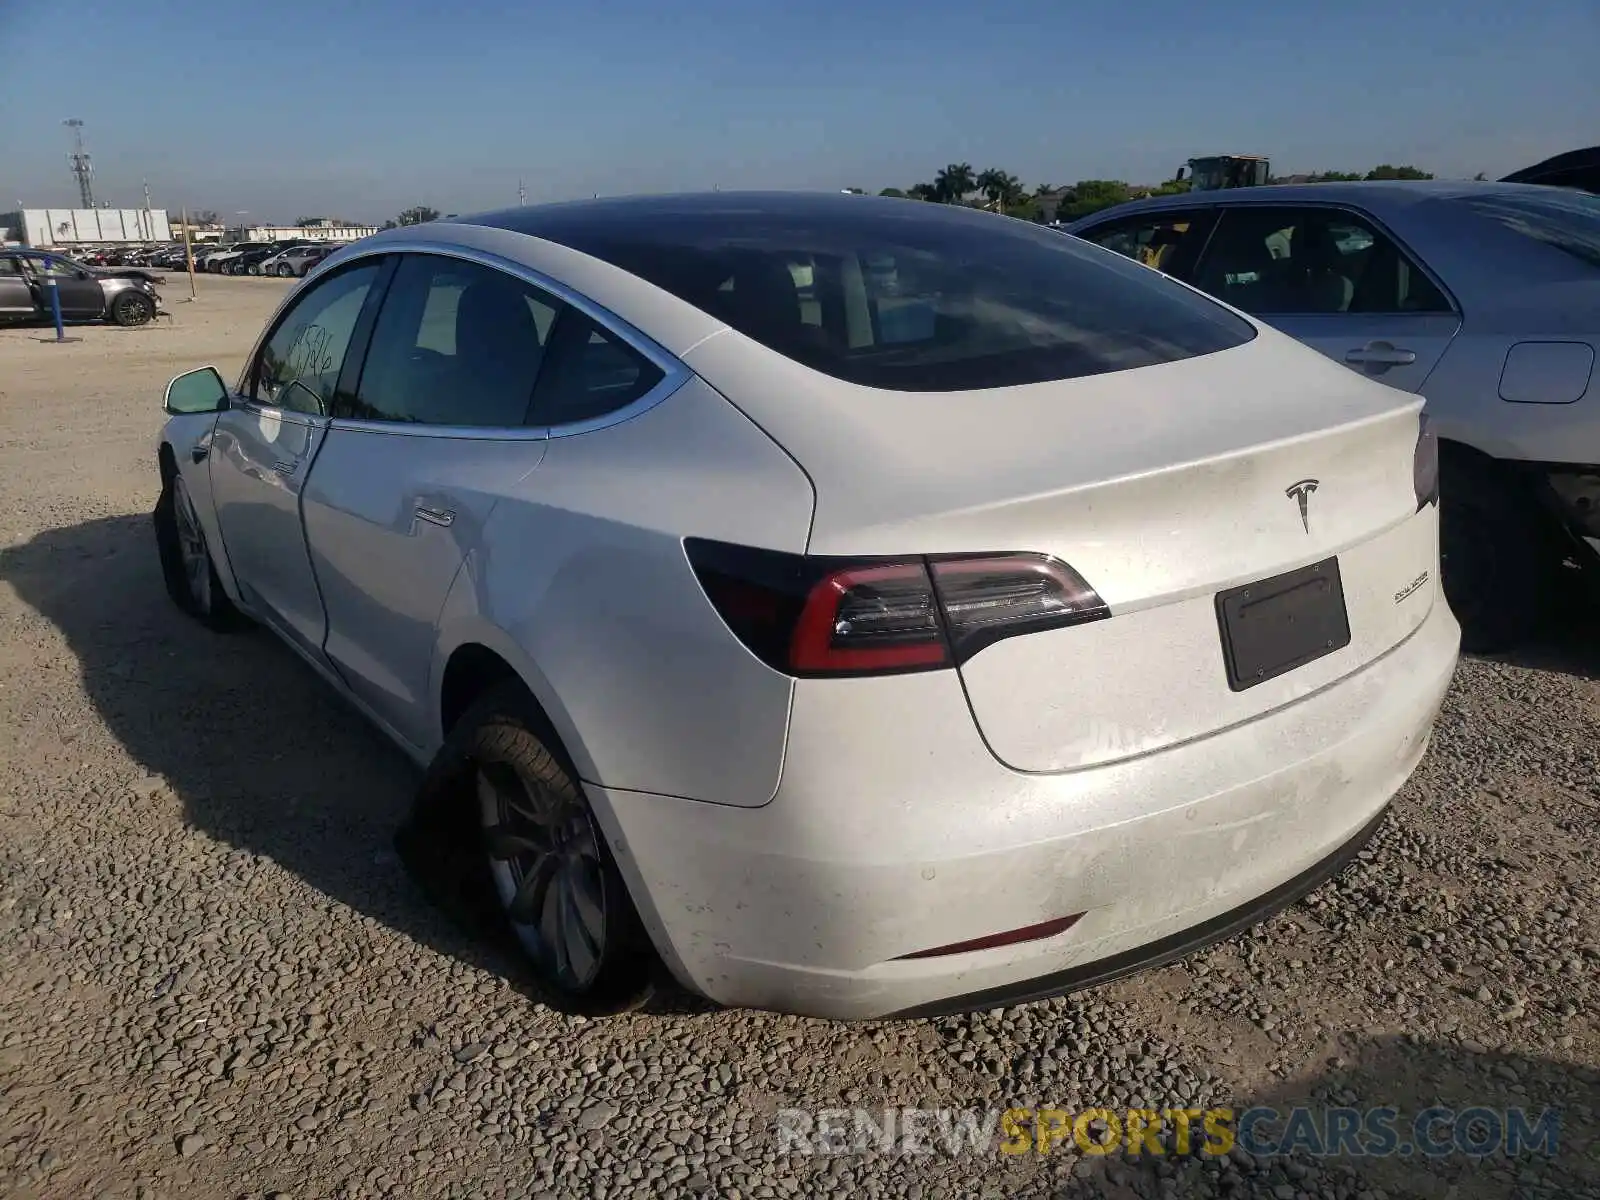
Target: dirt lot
(216, 979)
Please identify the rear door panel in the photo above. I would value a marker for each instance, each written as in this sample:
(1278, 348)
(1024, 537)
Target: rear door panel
(1347, 337)
(390, 515)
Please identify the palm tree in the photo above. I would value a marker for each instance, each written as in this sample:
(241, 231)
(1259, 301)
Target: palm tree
(955, 183)
(992, 183)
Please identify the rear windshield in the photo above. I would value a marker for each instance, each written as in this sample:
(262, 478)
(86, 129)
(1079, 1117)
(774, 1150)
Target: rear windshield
(912, 296)
(1567, 220)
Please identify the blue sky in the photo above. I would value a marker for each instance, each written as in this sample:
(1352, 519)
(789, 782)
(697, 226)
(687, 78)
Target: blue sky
(360, 108)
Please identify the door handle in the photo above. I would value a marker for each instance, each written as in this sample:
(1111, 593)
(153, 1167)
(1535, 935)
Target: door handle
(1381, 354)
(435, 516)
(198, 453)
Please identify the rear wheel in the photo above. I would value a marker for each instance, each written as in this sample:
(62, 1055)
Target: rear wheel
(132, 309)
(253, 269)
(541, 855)
(1498, 559)
(284, 270)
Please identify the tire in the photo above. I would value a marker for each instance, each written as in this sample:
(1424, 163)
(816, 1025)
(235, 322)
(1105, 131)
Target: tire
(253, 269)
(502, 830)
(285, 271)
(186, 566)
(132, 309)
(1497, 560)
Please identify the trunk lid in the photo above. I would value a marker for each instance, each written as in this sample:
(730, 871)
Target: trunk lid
(1161, 486)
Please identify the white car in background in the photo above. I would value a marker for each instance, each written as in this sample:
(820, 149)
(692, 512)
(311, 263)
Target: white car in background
(1483, 297)
(860, 607)
(292, 262)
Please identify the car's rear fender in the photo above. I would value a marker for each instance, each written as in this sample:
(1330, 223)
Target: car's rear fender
(581, 584)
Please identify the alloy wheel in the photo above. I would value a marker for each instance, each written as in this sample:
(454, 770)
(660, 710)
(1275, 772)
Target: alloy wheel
(544, 857)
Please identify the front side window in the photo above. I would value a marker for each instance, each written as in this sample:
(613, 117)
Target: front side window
(299, 366)
(1565, 219)
(456, 343)
(1167, 241)
(1311, 261)
(908, 297)
(55, 265)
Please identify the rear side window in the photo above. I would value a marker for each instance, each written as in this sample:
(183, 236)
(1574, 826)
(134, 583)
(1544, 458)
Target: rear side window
(456, 343)
(1567, 220)
(907, 296)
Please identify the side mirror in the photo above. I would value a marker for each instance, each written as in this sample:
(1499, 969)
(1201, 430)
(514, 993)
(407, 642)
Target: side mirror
(199, 391)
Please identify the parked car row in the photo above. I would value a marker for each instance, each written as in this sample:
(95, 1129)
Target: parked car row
(286, 259)
(1484, 298)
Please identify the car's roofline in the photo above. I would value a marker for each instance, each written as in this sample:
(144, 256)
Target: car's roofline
(1378, 195)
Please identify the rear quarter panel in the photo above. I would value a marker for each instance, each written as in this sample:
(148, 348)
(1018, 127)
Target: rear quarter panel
(581, 584)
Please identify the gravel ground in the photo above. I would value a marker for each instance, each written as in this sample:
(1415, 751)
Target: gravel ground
(218, 981)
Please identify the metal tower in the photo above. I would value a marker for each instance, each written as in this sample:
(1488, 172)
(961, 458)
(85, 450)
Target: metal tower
(522, 193)
(82, 167)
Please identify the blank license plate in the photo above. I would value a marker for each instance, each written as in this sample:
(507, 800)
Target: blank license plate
(1272, 626)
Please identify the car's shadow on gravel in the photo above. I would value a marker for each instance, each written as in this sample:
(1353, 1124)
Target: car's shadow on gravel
(261, 753)
(1568, 640)
(1431, 1088)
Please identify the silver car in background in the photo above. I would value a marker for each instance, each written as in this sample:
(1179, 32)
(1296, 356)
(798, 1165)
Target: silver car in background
(860, 606)
(1483, 297)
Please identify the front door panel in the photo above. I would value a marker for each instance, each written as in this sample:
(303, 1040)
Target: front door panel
(260, 459)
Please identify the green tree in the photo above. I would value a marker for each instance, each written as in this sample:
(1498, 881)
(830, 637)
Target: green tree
(923, 191)
(1091, 195)
(1480, 177)
(955, 183)
(1388, 172)
(999, 187)
(204, 216)
(1333, 177)
(418, 215)
(895, 192)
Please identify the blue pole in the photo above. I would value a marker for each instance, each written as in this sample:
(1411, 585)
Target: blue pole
(55, 300)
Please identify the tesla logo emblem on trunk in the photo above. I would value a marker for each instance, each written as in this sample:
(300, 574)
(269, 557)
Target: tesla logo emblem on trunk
(1300, 493)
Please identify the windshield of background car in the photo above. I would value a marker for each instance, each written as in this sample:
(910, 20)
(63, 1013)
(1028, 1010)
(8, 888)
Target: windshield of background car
(910, 296)
(1567, 220)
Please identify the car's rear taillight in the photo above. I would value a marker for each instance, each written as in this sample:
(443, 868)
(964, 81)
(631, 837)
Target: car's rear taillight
(1425, 464)
(811, 615)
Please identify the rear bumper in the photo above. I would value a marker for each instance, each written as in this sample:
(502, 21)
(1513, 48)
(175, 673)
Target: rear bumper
(895, 830)
(1166, 950)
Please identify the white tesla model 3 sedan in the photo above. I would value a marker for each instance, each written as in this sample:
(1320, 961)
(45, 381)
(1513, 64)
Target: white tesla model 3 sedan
(864, 607)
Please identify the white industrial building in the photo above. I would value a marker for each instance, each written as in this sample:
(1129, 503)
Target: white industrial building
(85, 226)
(309, 233)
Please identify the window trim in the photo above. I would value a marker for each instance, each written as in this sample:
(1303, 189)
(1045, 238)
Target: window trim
(1362, 214)
(674, 373)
